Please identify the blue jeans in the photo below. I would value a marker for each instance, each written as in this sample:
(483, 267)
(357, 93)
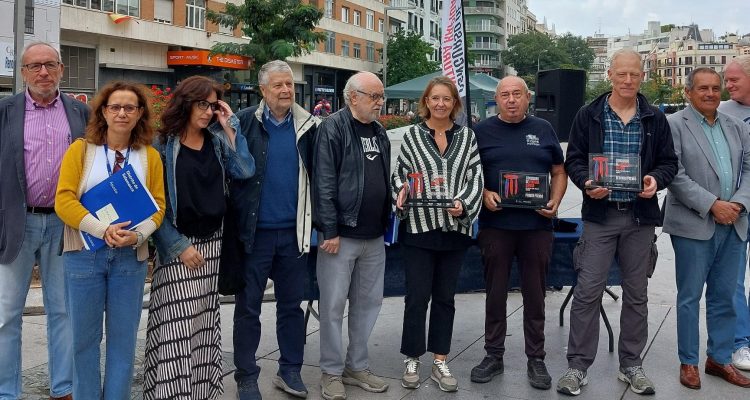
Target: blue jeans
(108, 280)
(276, 255)
(712, 263)
(41, 243)
(742, 333)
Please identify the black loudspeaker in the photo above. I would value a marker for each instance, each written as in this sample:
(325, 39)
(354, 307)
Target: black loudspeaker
(559, 96)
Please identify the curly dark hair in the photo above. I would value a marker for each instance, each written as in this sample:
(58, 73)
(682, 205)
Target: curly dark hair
(96, 130)
(176, 116)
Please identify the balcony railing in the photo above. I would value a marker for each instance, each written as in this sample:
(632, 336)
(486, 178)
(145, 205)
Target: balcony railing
(486, 64)
(485, 46)
(498, 12)
(485, 28)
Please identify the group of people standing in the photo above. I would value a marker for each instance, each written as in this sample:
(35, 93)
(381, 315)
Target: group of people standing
(269, 174)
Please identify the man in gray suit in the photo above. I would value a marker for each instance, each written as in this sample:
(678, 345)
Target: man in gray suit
(706, 217)
(36, 127)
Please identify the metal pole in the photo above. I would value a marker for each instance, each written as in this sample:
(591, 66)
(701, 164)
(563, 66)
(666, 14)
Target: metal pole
(385, 47)
(19, 32)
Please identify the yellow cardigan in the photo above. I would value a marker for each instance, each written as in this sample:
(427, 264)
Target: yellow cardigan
(74, 172)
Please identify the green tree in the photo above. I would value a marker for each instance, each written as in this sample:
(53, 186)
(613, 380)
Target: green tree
(525, 50)
(407, 57)
(276, 29)
(597, 90)
(659, 91)
(579, 52)
(667, 28)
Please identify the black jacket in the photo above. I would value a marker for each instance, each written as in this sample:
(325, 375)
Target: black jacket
(657, 157)
(245, 194)
(338, 177)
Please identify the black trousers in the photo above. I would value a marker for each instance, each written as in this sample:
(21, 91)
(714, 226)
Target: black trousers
(532, 248)
(429, 274)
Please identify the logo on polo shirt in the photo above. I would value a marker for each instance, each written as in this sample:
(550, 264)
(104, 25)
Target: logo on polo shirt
(532, 140)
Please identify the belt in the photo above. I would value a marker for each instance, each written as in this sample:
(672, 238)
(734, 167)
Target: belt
(621, 205)
(40, 210)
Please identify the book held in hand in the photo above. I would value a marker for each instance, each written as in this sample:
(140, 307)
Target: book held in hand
(121, 197)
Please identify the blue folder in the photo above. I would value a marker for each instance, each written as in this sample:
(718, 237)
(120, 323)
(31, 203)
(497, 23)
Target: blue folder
(121, 197)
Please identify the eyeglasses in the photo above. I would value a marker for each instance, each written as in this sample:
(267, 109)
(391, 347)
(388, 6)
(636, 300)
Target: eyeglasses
(51, 66)
(115, 108)
(438, 99)
(375, 97)
(506, 95)
(203, 105)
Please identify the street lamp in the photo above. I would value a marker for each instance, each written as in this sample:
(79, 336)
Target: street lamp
(386, 28)
(537, 59)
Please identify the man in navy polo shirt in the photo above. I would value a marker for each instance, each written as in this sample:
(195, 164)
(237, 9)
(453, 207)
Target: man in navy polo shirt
(514, 141)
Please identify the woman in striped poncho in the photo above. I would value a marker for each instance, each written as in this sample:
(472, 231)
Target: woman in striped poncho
(437, 159)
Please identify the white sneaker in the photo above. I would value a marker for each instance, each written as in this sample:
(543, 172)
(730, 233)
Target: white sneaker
(741, 358)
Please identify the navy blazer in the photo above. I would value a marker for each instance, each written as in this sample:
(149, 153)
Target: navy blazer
(13, 171)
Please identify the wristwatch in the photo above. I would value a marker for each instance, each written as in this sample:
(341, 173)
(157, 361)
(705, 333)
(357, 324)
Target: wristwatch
(139, 241)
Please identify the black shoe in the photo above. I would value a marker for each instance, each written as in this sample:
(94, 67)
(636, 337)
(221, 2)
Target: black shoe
(488, 368)
(538, 375)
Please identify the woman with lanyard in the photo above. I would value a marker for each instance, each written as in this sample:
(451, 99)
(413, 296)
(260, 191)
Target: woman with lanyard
(436, 239)
(109, 279)
(200, 147)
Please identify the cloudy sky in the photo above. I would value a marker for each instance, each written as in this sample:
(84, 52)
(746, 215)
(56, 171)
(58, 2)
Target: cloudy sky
(616, 17)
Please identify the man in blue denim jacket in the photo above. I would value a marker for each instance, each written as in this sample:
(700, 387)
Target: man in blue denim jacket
(274, 224)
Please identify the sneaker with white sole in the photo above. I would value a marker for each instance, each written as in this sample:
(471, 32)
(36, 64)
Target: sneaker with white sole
(741, 358)
(410, 380)
(364, 379)
(571, 382)
(442, 375)
(331, 387)
(637, 379)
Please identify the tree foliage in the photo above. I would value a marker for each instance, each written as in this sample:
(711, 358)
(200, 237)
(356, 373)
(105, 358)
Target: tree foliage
(659, 91)
(527, 51)
(597, 89)
(408, 57)
(276, 29)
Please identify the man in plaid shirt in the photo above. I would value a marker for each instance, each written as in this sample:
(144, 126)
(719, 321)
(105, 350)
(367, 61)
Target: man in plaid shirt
(619, 122)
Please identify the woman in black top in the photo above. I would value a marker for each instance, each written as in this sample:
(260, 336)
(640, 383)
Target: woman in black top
(200, 147)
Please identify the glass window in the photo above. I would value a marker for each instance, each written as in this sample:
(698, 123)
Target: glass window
(330, 43)
(370, 20)
(357, 18)
(381, 25)
(370, 51)
(329, 9)
(345, 48)
(345, 14)
(357, 50)
(195, 14)
(29, 17)
(163, 11)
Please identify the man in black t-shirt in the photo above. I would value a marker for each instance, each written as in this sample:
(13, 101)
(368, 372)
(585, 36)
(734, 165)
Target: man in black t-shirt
(513, 141)
(351, 206)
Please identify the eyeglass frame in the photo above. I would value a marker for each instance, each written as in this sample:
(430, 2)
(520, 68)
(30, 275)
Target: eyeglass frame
(50, 66)
(203, 105)
(375, 97)
(120, 107)
(516, 95)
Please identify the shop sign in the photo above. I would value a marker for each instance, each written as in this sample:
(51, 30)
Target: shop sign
(203, 57)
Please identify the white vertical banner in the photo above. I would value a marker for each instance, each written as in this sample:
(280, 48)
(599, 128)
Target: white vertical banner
(453, 50)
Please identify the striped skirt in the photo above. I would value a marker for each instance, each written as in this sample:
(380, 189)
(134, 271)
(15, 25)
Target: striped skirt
(183, 343)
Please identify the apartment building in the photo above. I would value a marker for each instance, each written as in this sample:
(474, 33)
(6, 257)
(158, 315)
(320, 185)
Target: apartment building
(675, 63)
(42, 23)
(485, 24)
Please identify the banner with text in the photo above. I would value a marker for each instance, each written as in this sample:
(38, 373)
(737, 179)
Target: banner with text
(453, 49)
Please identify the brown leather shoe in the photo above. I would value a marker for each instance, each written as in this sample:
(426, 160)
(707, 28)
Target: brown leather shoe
(66, 397)
(728, 372)
(690, 376)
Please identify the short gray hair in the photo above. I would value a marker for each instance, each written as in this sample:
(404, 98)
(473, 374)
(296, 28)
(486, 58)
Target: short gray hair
(743, 61)
(271, 67)
(627, 51)
(40, 43)
(689, 80)
(512, 77)
(352, 84)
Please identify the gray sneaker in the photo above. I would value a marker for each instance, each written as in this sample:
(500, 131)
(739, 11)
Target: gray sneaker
(442, 375)
(571, 381)
(410, 380)
(331, 387)
(364, 379)
(637, 379)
